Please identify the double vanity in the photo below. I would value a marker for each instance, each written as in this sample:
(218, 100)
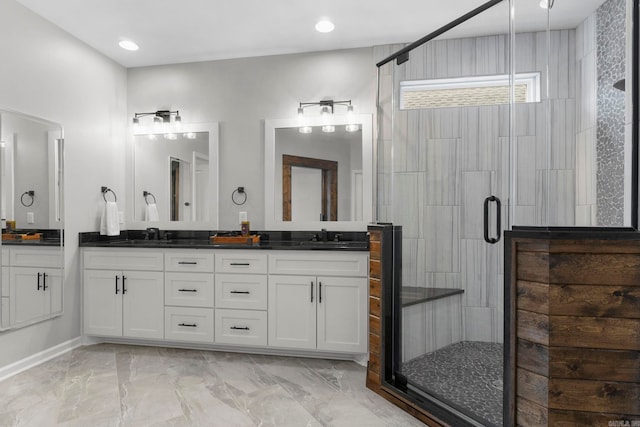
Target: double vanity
(293, 292)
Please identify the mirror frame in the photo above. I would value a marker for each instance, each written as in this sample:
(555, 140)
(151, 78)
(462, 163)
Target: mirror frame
(271, 222)
(55, 151)
(212, 223)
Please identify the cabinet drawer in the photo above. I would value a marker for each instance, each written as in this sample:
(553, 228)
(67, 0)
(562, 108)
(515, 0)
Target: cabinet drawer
(35, 257)
(200, 261)
(244, 327)
(188, 289)
(4, 313)
(123, 259)
(241, 262)
(241, 291)
(319, 263)
(188, 324)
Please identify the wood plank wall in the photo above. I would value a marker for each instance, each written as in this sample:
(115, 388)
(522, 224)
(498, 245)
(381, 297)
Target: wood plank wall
(380, 257)
(577, 332)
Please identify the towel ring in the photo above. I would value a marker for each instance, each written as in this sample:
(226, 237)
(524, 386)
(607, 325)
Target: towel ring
(106, 190)
(239, 190)
(146, 193)
(29, 193)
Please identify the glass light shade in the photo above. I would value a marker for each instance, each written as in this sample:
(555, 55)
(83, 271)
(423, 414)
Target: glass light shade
(325, 111)
(352, 128)
(328, 128)
(305, 129)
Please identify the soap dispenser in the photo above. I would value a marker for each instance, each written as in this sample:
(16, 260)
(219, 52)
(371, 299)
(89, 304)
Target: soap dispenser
(244, 224)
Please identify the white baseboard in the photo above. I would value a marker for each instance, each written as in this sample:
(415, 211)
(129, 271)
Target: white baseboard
(38, 358)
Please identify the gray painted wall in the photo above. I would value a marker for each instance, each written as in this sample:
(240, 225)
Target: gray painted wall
(240, 94)
(50, 74)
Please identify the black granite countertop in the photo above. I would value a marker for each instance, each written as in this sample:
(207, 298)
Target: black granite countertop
(269, 240)
(411, 295)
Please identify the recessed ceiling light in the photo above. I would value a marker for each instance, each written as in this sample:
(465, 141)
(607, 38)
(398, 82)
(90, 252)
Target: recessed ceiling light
(128, 45)
(325, 26)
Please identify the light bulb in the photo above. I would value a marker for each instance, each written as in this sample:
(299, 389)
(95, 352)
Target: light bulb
(177, 122)
(305, 129)
(325, 111)
(300, 112)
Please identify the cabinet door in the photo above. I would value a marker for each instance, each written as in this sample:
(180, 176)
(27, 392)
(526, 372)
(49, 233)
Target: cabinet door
(29, 301)
(143, 304)
(102, 302)
(342, 314)
(53, 283)
(292, 311)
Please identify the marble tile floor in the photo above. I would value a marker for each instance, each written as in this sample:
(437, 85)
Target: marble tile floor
(121, 385)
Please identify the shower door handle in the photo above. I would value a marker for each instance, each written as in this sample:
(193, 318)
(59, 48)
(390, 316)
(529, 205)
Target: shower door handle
(488, 200)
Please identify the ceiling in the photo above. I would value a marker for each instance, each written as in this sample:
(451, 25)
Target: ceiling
(198, 30)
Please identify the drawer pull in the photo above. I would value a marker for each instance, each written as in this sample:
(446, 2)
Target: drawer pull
(117, 285)
(312, 291)
(187, 290)
(188, 262)
(320, 292)
(245, 264)
(44, 281)
(38, 282)
(240, 292)
(190, 325)
(243, 328)
(124, 286)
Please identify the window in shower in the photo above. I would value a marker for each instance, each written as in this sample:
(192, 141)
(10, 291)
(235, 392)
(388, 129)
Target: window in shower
(469, 91)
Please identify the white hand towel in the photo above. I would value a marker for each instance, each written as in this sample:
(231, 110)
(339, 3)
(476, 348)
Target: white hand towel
(110, 221)
(151, 212)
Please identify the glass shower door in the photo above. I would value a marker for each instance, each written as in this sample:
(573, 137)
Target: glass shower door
(444, 177)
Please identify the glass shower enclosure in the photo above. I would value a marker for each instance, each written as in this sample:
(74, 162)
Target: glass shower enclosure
(513, 115)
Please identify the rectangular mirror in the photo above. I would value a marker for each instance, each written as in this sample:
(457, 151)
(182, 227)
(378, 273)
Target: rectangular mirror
(318, 174)
(31, 205)
(175, 177)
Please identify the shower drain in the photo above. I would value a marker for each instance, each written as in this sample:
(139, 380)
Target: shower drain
(497, 384)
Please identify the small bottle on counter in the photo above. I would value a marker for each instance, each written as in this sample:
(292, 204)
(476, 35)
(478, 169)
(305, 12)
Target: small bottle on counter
(244, 228)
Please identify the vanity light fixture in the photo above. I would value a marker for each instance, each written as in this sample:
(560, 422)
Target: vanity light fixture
(327, 108)
(160, 117)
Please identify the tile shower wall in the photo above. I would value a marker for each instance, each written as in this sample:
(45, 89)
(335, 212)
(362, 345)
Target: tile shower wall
(436, 167)
(610, 34)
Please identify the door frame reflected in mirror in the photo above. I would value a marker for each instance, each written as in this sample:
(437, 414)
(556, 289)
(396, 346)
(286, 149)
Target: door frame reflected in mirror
(274, 220)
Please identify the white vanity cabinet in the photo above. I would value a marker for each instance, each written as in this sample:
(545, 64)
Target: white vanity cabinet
(123, 293)
(189, 295)
(31, 285)
(324, 310)
(303, 300)
(241, 297)
(4, 290)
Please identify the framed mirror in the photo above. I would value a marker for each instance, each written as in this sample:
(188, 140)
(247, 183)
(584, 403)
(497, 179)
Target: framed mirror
(31, 206)
(175, 178)
(319, 173)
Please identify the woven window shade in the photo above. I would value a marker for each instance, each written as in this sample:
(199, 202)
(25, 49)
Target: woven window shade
(462, 97)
